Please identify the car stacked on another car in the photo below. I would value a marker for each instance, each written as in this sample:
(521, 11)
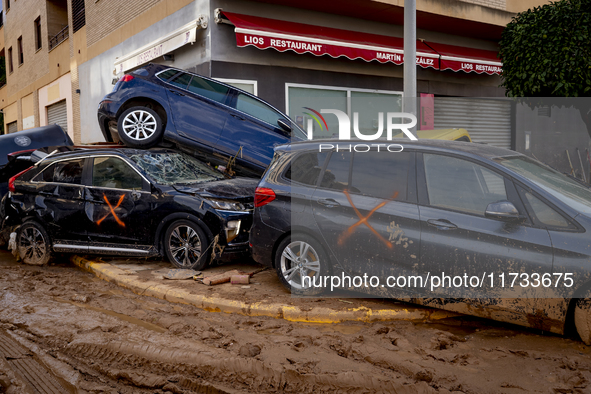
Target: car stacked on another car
(130, 202)
(208, 119)
(436, 207)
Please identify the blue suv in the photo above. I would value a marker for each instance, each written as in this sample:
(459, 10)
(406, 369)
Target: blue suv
(203, 117)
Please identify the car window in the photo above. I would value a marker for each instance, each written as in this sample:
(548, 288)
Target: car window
(543, 215)
(336, 175)
(210, 89)
(305, 168)
(381, 174)
(114, 173)
(69, 171)
(258, 109)
(461, 185)
(166, 75)
(181, 80)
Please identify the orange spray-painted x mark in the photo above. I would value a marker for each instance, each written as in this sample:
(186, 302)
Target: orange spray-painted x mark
(363, 220)
(112, 209)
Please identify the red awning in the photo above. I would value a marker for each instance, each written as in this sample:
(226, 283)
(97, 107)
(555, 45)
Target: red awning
(265, 33)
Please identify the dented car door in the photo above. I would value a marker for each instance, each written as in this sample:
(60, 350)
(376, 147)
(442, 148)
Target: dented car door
(59, 202)
(117, 209)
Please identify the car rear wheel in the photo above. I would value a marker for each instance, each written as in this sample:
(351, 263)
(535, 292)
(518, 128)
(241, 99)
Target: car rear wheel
(140, 127)
(298, 258)
(185, 245)
(583, 319)
(33, 244)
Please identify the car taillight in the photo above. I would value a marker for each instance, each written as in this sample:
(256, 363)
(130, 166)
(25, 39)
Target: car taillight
(11, 180)
(263, 196)
(126, 78)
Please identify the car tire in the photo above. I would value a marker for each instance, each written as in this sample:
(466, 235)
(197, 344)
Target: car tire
(140, 127)
(291, 268)
(583, 319)
(185, 245)
(33, 244)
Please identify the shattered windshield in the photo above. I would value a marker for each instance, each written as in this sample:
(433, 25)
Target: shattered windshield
(168, 168)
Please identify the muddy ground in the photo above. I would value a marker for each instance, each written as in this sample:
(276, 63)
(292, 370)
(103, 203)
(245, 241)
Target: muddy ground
(89, 336)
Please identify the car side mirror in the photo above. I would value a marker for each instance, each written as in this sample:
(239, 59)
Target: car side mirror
(284, 125)
(503, 210)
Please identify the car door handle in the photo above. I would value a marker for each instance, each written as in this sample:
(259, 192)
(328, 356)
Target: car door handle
(237, 117)
(175, 92)
(328, 202)
(442, 224)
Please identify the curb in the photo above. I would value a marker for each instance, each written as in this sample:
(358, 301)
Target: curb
(109, 273)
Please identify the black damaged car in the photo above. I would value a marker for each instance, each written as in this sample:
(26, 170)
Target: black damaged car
(130, 202)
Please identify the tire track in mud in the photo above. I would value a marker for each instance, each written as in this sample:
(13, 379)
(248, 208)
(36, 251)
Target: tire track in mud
(117, 358)
(31, 372)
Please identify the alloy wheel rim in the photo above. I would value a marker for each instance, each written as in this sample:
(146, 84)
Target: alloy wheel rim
(139, 125)
(33, 244)
(185, 245)
(298, 260)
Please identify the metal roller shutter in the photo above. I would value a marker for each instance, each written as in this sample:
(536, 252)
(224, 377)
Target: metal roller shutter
(58, 114)
(487, 121)
(12, 127)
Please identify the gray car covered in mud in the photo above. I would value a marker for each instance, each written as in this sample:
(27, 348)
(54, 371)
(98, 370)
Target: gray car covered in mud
(132, 203)
(464, 227)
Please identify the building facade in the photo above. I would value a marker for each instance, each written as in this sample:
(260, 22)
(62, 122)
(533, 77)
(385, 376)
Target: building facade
(63, 56)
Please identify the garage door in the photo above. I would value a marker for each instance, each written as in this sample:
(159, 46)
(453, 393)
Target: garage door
(12, 127)
(58, 114)
(487, 121)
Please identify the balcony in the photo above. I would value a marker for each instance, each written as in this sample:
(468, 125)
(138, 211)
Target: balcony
(62, 35)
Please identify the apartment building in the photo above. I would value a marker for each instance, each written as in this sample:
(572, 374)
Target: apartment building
(62, 56)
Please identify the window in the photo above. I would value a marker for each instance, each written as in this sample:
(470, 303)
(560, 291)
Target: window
(62, 172)
(209, 89)
(78, 15)
(7, 5)
(542, 214)
(336, 175)
(21, 56)
(181, 80)
(243, 84)
(305, 168)
(10, 66)
(461, 185)
(367, 103)
(381, 174)
(114, 173)
(166, 75)
(258, 109)
(38, 40)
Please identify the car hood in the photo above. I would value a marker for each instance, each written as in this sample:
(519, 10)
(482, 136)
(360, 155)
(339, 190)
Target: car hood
(233, 189)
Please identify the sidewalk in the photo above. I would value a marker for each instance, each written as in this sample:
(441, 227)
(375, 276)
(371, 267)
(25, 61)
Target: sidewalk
(264, 296)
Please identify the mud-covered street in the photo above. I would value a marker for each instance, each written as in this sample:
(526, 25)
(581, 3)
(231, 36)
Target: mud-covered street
(64, 330)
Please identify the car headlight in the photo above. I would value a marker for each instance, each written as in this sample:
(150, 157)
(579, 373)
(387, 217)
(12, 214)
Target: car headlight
(226, 205)
(232, 230)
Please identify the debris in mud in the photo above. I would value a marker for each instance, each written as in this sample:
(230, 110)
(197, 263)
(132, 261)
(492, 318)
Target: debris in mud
(240, 279)
(80, 298)
(180, 274)
(220, 278)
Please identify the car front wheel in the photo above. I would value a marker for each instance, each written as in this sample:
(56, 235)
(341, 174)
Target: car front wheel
(33, 244)
(301, 263)
(185, 245)
(140, 127)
